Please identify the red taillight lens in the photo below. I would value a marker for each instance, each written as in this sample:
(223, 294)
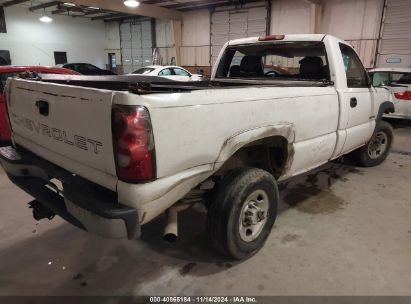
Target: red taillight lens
(403, 95)
(134, 144)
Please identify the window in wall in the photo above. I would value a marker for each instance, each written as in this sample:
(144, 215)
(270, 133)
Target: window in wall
(354, 70)
(3, 28)
(60, 57)
(112, 62)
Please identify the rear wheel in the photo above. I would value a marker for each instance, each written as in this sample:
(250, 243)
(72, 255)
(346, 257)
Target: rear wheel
(377, 149)
(243, 212)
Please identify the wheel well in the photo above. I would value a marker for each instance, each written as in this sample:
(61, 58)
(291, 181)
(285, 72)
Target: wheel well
(270, 154)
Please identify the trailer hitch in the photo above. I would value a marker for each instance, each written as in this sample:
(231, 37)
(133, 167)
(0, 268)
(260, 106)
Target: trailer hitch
(41, 212)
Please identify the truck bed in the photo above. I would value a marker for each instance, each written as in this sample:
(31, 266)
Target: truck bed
(141, 84)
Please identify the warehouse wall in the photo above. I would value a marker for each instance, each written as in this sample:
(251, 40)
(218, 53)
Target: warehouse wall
(112, 41)
(195, 50)
(165, 41)
(290, 17)
(32, 42)
(357, 21)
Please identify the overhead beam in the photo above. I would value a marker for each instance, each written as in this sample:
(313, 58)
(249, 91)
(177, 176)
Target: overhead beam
(43, 5)
(13, 2)
(93, 12)
(66, 9)
(142, 10)
(130, 17)
(111, 16)
(319, 2)
(184, 6)
(195, 4)
(154, 1)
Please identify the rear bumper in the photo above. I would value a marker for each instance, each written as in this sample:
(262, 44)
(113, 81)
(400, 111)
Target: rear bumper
(80, 202)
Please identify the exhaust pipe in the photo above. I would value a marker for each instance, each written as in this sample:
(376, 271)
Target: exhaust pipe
(171, 229)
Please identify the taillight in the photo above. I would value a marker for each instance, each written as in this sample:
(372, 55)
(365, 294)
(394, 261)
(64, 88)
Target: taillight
(134, 144)
(403, 95)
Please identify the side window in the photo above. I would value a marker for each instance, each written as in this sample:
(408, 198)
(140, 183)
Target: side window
(354, 70)
(180, 72)
(91, 67)
(165, 72)
(378, 78)
(401, 78)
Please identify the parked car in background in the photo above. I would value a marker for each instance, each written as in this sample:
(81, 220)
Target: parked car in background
(86, 69)
(170, 72)
(10, 71)
(398, 82)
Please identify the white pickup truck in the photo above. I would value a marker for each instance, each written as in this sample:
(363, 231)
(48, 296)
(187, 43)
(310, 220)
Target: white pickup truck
(109, 154)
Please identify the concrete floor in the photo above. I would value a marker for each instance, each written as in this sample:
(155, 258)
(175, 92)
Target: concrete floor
(342, 230)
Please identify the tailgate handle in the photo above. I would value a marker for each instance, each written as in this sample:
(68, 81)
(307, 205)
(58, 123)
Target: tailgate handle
(43, 107)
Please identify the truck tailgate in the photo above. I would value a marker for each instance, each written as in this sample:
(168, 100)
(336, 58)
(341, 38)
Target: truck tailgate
(66, 125)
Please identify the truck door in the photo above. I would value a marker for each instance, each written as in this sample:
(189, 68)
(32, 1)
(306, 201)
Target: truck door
(357, 101)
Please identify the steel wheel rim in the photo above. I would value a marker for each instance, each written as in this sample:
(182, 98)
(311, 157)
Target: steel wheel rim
(253, 216)
(377, 145)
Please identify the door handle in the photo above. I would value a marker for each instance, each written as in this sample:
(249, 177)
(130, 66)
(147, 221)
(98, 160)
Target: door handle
(353, 102)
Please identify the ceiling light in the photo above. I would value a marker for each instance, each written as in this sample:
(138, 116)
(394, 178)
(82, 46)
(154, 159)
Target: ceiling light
(131, 3)
(69, 4)
(93, 7)
(45, 18)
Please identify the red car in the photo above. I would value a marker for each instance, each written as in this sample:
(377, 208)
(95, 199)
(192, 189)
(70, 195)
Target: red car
(10, 71)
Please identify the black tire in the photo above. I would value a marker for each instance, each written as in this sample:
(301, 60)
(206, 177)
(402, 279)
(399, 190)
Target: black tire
(362, 155)
(223, 219)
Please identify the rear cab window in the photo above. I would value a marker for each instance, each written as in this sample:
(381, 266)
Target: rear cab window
(296, 60)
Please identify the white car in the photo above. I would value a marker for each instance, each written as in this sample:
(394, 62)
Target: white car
(398, 82)
(170, 72)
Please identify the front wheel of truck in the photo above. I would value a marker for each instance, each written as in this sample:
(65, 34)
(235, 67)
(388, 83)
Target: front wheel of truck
(377, 149)
(243, 212)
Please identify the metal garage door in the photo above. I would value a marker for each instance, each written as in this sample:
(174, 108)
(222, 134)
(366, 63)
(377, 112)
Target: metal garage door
(395, 44)
(136, 45)
(231, 23)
